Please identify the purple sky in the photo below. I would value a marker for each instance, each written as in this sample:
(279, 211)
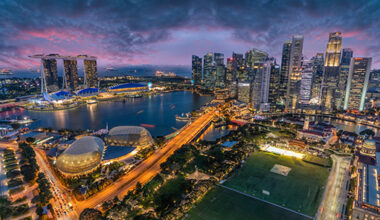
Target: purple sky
(169, 32)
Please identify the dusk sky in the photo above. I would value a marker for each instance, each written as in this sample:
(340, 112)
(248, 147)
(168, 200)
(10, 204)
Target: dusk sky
(169, 32)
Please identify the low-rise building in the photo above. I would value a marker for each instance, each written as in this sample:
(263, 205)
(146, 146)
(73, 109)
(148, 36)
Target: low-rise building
(367, 196)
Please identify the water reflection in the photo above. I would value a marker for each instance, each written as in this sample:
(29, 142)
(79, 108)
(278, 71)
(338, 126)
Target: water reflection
(155, 110)
(213, 133)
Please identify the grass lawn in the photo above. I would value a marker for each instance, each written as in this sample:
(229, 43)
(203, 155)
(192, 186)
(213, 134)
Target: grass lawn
(224, 204)
(301, 190)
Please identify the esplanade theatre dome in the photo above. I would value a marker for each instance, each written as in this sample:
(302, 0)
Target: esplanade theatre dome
(82, 156)
(132, 136)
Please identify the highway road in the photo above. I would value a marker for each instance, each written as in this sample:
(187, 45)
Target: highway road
(335, 194)
(60, 202)
(148, 168)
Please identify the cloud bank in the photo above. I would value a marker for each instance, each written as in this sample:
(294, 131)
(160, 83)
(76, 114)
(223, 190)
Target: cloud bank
(169, 32)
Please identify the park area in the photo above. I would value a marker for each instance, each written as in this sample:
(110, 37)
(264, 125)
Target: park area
(300, 190)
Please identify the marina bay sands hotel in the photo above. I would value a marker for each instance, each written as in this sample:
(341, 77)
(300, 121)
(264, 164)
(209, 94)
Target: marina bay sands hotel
(49, 73)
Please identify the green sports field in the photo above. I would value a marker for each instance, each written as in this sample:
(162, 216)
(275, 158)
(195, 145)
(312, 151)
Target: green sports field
(224, 204)
(301, 190)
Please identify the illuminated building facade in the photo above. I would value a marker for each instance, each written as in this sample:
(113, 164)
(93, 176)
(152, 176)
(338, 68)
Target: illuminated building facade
(260, 85)
(284, 72)
(91, 73)
(230, 74)
(51, 74)
(347, 54)
(220, 76)
(295, 66)
(244, 92)
(133, 136)
(238, 67)
(71, 73)
(357, 83)
(220, 70)
(196, 70)
(306, 81)
(208, 71)
(367, 200)
(81, 157)
(274, 87)
(318, 63)
(128, 87)
(331, 71)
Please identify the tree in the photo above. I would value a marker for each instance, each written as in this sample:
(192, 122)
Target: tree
(30, 139)
(90, 214)
(39, 210)
(5, 208)
(367, 132)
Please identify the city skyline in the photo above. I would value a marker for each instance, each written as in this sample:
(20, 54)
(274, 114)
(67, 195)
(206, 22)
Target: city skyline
(121, 35)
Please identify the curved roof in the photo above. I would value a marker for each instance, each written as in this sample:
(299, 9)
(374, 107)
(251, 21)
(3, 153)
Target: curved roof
(81, 156)
(84, 145)
(134, 136)
(127, 86)
(122, 130)
(87, 91)
(60, 95)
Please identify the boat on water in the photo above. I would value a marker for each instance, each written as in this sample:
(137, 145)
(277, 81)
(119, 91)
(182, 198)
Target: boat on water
(136, 95)
(147, 125)
(91, 101)
(17, 120)
(111, 69)
(6, 72)
(183, 117)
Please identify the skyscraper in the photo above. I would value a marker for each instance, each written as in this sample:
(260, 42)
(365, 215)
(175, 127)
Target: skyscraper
(306, 81)
(318, 63)
(220, 70)
(274, 87)
(244, 92)
(196, 69)
(208, 71)
(238, 67)
(284, 72)
(294, 79)
(229, 71)
(235, 71)
(50, 72)
(331, 71)
(91, 73)
(220, 79)
(357, 83)
(71, 73)
(373, 91)
(218, 59)
(260, 84)
(253, 56)
(344, 68)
